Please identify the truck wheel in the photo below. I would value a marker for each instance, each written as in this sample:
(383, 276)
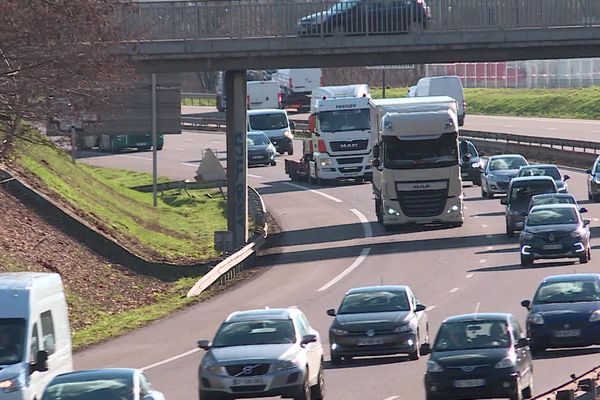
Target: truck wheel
(290, 150)
(379, 211)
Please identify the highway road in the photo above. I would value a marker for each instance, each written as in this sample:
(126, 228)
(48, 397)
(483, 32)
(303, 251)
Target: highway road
(330, 243)
(577, 129)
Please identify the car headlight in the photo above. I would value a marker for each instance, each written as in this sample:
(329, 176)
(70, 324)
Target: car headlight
(210, 366)
(476, 164)
(10, 385)
(404, 328)
(597, 181)
(527, 235)
(507, 362)
(536, 319)
(288, 134)
(339, 331)
(286, 364)
(595, 316)
(432, 366)
(271, 149)
(325, 161)
(575, 234)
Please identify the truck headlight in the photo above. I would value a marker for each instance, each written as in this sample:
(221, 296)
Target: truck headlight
(392, 211)
(476, 164)
(453, 209)
(10, 385)
(325, 162)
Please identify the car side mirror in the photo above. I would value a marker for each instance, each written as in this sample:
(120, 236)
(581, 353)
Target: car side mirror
(41, 362)
(566, 178)
(293, 126)
(376, 151)
(331, 312)
(523, 342)
(306, 339)
(204, 344)
(425, 349)
(587, 221)
(526, 304)
(420, 307)
(376, 163)
(503, 200)
(583, 210)
(588, 171)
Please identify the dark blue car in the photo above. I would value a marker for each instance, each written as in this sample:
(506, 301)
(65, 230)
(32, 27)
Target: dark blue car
(565, 312)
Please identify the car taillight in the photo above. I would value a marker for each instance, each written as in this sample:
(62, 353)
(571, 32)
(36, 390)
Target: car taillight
(322, 147)
(290, 83)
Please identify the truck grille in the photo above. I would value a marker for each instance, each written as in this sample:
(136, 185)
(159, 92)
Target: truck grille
(423, 203)
(350, 145)
(351, 160)
(251, 370)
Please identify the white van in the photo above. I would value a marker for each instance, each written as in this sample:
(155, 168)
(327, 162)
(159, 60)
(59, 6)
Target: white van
(296, 86)
(35, 338)
(335, 92)
(276, 125)
(263, 94)
(444, 86)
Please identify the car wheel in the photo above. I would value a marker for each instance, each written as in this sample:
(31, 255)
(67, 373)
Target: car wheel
(528, 391)
(477, 181)
(584, 258)
(509, 231)
(273, 163)
(483, 193)
(290, 150)
(336, 359)
(518, 395)
(318, 391)
(416, 353)
(526, 261)
(305, 392)
(589, 253)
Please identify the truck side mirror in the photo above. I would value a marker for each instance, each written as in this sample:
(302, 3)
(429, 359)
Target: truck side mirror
(293, 126)
(503, 200)
(41, 362)
(376, 151)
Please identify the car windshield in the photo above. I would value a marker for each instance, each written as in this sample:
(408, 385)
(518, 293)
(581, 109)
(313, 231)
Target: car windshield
(342, 6)
(12, 339)
(258, 140)
(550, 171)
(552, 216)
(344, 120)
(507, 163)
(524, 191)
(90, 389)
(414, 154)
(568, 292)
(249, 333)
(469, 335)
(371, 302)
(266, 122)
(552, 200)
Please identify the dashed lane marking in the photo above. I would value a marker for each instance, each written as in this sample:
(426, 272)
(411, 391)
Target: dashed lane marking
(484, 226)
(453, 290)
(363, 256)
(170, 359)
(318, 192)
(477, 307)
(135, 157)
(255, 176)
(469, 275)
(429, 308)
(488, 248)
(393, 398)
(483, 261)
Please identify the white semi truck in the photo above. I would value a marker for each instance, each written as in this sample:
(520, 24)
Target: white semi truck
(340, 143)
(416, 172)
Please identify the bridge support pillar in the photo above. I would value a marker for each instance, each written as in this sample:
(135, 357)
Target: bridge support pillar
(237, 157)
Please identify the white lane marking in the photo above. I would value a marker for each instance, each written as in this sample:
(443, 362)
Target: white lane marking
(489, 248)
(188, 140)
(168, 360)
(469, 275)
(551, 129)
(483, 261)
(484, 226)
(453, 290)
(335, 199)
(180, 149)
(363, 256)
(190, 164)
(393, 398)
(595, 219)
(135, 157)
(477, 307)
(429, 308)
(364, 221)
(595, 131)
(475, 216)
(255, 176)
(216, 141)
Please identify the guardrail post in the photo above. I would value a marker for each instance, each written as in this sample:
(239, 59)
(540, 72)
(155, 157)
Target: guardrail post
(237, 153)
(568, 394)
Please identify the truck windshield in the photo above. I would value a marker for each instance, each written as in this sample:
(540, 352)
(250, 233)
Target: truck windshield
(12, 339)
(344, 120)
(267, 122)
(411, 154)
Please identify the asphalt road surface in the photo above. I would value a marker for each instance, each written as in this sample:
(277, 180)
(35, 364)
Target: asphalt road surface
(326, 230)
(576, 129)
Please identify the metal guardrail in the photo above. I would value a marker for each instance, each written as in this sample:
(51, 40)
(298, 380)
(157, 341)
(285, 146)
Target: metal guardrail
(579, 387)
(172, 20)
(533, 140)
(233, 265)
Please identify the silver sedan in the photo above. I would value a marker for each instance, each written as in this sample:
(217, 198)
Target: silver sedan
(498, 173)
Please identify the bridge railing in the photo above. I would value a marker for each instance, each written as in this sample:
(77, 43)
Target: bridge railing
(174, 20)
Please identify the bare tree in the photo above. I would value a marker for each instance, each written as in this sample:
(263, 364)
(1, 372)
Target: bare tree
(57, 54)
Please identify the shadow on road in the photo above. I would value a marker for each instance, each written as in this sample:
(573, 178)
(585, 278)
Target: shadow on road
(517, 267)
(366, 362)
(490, 214)
(563, 353)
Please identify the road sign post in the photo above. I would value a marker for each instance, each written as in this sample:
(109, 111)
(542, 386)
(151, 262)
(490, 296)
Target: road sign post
(237, 154)
(154, 144)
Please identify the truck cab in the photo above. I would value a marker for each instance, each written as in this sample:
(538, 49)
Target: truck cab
(416, 174)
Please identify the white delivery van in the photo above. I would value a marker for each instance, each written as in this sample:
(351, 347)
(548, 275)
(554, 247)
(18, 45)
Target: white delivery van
(296, 86)
(263, 94)
(35, 337)
(336, 92)
(444, 86)
(276, 125)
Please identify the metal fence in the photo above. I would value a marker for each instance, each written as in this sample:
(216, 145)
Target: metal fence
(284, 18)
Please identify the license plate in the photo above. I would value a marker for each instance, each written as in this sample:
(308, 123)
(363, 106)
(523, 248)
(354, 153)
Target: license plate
(469, 383)
(552, 246)
(567, 333)
(257, 157)
(370, 341)
(247, 381)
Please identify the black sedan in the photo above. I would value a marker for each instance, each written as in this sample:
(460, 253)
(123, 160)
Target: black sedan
(565, 312)
(471, 163)
(378, 320)
(555, 231)
(479, 356)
